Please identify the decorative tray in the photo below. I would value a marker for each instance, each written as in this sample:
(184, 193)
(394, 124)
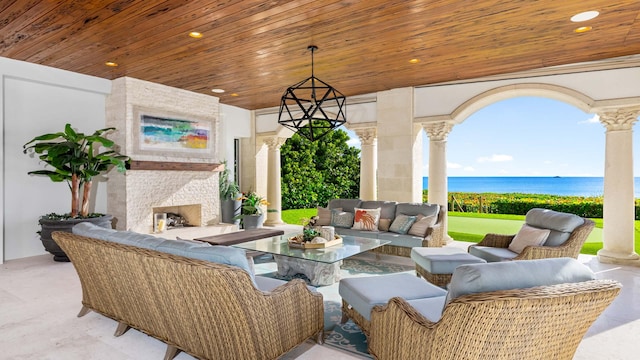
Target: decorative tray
(309, 245)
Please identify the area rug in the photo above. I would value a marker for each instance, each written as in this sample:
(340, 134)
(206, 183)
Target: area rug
(348, 336)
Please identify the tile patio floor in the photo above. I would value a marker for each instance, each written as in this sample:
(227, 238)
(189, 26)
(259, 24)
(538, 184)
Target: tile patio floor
(39, 300)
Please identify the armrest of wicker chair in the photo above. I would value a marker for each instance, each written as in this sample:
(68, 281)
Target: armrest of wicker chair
(496, 240)
(434, 237)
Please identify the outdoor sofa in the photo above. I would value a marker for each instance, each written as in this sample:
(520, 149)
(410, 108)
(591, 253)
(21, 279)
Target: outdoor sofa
(406, 225)
(197, 298)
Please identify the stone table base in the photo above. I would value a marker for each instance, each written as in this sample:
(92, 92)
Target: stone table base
(319, 274)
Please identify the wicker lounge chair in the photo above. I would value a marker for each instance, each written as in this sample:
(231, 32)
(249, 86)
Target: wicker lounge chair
(546, 322)
(495, 247)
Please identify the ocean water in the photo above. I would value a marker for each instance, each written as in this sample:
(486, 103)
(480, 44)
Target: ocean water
(564, 186)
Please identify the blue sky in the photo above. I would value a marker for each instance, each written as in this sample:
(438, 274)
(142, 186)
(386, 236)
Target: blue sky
(526, 136)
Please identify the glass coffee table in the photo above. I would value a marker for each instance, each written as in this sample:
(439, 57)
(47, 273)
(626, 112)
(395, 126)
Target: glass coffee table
(321, 266)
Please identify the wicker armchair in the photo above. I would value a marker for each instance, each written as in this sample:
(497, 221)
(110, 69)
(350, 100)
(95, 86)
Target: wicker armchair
(546, 322)
(206, 309)
(570, 248)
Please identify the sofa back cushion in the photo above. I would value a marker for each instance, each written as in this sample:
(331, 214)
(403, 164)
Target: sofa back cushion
(347, 205)
(145, 241)
(561, 224)
(517, 274)
(413, 209)
(187, 248)
(387, 208)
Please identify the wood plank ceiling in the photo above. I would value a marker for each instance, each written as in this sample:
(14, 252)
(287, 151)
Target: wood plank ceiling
(254, 49)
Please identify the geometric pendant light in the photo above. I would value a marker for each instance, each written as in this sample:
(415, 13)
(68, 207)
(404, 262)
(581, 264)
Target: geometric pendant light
(312, 108)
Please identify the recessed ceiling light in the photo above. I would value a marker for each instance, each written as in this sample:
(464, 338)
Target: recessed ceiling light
(234, 94)
(111, 63)
(584, 16)
(582, 29)
(217, 91)
(414, 61)
(195, 35)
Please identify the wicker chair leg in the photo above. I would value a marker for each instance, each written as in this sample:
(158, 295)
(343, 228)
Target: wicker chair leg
(344, 318)
(84, 311)
(122, 328)
(172, 352)
(320, 338)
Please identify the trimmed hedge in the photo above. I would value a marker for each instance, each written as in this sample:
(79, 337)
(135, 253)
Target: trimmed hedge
(519, 204)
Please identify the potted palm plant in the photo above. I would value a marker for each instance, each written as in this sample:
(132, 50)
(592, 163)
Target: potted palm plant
(75, 158)
(229, 201)
(252, 213)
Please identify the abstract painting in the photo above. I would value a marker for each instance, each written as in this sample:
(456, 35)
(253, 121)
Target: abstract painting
(161, 133)
(166, 134)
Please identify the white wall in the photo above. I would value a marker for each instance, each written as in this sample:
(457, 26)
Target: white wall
(35, 100)
(235, 123)
(598, 85)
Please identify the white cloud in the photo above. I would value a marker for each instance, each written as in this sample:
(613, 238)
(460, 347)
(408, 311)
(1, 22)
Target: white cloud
(495, 158)
(469, 169)
(354, 142)
(595, 119)
(453, 166)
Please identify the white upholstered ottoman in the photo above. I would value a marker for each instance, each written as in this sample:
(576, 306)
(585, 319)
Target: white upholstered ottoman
(437, 264)
(361, 294)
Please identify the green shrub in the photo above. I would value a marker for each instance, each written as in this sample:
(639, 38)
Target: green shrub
(519, 204)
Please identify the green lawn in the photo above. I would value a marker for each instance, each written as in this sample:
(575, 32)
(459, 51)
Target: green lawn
(472, 226)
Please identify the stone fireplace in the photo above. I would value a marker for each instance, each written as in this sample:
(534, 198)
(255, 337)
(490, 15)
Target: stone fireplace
(171, 181)
(140, 193)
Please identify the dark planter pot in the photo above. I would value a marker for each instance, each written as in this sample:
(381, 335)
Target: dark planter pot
(252, 221)
(229, 210)
(49, 226)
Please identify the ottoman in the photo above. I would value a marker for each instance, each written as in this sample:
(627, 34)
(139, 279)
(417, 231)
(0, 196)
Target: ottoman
(361, 294)
(436, 265)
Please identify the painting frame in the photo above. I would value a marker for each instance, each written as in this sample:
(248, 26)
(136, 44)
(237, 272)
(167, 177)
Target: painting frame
(171, 134)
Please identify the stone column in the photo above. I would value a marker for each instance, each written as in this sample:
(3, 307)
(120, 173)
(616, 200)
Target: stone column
(399, 147)
(619, 201)
(274, 189)
(438, 190)
(368, 163)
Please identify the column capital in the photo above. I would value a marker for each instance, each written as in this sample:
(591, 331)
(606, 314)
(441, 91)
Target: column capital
(274, 142)
(437, 131)
(618, 119)
(367, 136)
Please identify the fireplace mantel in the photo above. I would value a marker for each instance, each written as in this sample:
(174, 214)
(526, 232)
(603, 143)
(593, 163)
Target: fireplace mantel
(179, 166)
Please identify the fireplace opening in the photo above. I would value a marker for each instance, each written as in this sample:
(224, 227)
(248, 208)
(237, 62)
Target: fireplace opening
(181, 215)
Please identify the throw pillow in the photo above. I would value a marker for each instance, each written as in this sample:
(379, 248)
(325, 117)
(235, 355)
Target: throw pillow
(384, 224)
(422, 224)
(366, 219)
(324, 216)
(528, 235)
(341, 219)
(402, 223)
